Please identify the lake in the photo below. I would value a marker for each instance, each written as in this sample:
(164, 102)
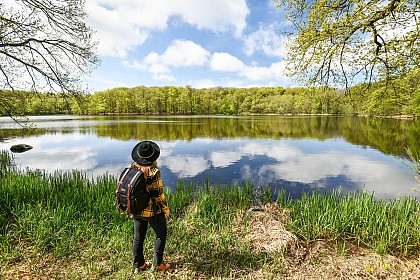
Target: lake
(297, 153)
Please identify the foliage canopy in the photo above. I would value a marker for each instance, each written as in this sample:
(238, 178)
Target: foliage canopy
(342, 42)
(402, 99)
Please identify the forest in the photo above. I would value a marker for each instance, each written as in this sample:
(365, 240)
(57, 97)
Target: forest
(391, 98)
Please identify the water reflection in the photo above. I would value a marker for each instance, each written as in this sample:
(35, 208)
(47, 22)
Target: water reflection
(294, 163)
(290, 164)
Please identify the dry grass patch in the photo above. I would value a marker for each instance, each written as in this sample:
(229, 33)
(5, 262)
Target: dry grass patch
(266, 230)
(319, 260)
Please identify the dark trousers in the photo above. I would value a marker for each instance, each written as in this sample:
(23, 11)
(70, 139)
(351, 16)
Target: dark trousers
(158, 224)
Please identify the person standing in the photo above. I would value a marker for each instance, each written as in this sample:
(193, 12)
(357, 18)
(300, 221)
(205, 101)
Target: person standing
(144, 156)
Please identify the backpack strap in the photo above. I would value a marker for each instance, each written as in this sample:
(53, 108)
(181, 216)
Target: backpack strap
(117, 202)
(130, 186)
(122, 178)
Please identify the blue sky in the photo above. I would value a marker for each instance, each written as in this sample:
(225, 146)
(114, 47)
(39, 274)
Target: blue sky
(201, 43)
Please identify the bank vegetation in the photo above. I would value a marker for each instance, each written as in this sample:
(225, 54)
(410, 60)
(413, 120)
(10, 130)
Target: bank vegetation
(64, 225)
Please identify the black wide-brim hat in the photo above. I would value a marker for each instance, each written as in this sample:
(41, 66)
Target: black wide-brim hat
(145, 152)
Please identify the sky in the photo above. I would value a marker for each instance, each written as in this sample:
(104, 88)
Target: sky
(200, 43)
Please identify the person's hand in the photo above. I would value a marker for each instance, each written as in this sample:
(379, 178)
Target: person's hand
(167, 212)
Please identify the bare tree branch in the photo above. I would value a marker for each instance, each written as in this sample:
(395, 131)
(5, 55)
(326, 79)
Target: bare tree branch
(44, 46)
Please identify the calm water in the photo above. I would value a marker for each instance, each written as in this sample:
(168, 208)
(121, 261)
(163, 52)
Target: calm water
(295, 153)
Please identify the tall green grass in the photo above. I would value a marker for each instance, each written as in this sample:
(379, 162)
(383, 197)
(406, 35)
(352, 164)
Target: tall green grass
(384, 226)
(203, 229)
(70, 216)
(6, 161)
(56, 212)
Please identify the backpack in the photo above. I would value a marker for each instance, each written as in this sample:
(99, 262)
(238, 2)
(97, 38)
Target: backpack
(132, 195)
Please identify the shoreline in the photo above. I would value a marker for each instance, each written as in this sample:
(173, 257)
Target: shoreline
(401, 117)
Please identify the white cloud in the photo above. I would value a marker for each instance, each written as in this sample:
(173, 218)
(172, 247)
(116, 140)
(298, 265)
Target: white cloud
(206, 83)
(186, 166)
(280, 152)
(184, 53)
(224, 159)
(124, 25)
(117, 26)
(215, 15)
(226, 63)
(77, 157)
(157, 68)
(256, 73)
(274, 71)
(266, 40)
(152, 58)
(295, 166)
(181, 53)
(164, 77)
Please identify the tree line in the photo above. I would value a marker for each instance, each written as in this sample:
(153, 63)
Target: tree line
(401, 97)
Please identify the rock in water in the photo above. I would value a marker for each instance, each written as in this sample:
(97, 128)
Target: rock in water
(20, 148)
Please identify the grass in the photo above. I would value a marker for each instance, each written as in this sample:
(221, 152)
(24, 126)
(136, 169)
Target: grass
(70, 220)
(386, 227)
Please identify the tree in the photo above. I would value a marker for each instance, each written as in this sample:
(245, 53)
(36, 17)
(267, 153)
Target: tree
(44, 47)
(342, 42)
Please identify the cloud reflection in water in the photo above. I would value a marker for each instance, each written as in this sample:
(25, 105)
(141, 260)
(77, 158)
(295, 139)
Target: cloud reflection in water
(279, 163)
(310, 162)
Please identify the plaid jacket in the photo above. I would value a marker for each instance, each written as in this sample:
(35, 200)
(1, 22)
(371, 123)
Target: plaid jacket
(154, 183)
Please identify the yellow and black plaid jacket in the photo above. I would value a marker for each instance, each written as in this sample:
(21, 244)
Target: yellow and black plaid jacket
(154, 184)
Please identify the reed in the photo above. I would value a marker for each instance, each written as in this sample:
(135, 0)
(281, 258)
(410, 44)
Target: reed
(384, 226)
(6, 160)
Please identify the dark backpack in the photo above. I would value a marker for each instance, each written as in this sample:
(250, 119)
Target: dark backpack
(132, 196)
